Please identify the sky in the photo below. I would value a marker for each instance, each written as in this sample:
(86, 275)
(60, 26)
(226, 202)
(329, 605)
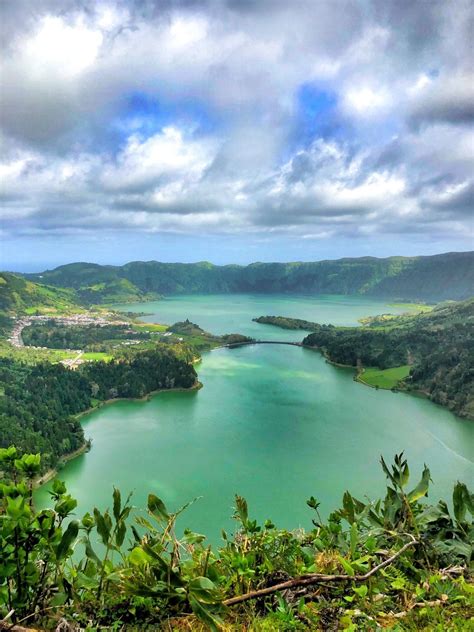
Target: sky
(234, 130)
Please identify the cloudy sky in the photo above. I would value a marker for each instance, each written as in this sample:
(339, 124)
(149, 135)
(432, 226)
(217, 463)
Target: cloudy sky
(234, 130)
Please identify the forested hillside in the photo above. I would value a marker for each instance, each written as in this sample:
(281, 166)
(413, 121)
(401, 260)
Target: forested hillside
(39, 403)
(435, 278)
(439, 346)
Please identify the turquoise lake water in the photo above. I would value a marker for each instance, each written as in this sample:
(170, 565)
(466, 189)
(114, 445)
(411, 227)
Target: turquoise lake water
(275, 424)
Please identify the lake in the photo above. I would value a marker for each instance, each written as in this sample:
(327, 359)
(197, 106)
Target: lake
(275, 424)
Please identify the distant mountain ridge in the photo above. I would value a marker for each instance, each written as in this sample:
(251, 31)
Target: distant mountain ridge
(433, 278)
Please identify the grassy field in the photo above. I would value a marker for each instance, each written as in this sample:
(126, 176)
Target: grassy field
(33, 356)
(149, 327)
(60, 309)
(95, 356)
(413, 308)
(384, 378)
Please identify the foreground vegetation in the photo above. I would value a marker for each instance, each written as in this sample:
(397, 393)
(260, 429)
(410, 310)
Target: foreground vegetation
(396, 563)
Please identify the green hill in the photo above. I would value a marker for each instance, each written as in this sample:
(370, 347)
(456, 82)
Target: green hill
(434, 352)
(94, 283)
(433, 278)
(20, 295)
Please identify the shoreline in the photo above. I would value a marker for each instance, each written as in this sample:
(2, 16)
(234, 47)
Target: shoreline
(87, 445)
(178, 389)
(401, 388)
(52, 472)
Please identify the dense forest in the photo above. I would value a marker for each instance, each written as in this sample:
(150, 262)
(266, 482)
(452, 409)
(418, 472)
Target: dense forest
(438, 344)
(58, 336)
(202, 340)
(396, 563)
(39, 402)
(285, 322)
(38, 406)
(140, 374)
(438, 277)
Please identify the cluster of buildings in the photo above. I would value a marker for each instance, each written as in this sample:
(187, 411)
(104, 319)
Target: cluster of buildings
(76, 319)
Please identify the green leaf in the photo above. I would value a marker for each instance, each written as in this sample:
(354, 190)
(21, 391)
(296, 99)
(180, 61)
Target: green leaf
(313, 503)
(405, 474)
(83, 581)
(68, 538)
(136, 535)
(103, 526)
(65, 505)
(354, 538)
(241, 509)
(120, 534)
(29, 464)
(422, 488)
(117, 504)
(348, 504)
(138, 557)
(157, 507)
(361, 591)
(387, 472)
(91, 554)
(463, 501)
(87, 521)
(347, 567)
(59, 487)
(206, 614)
(399, 583)
(8, 455)
(204, 590)
(193, 538)
(16, 507)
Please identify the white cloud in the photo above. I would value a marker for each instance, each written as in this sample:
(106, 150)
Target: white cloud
(396, 147)
(59, 49)
(366, 101)
(146, 162)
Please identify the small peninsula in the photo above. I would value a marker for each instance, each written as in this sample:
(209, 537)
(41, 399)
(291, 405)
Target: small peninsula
(430, 353)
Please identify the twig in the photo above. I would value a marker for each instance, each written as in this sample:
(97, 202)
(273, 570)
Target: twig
(315, 578)
(5, 625)
(420, 604)
(16, 627)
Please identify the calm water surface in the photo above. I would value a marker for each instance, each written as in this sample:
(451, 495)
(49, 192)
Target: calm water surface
(275, 424)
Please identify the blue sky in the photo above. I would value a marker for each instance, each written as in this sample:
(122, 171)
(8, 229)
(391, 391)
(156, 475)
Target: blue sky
(234, 131)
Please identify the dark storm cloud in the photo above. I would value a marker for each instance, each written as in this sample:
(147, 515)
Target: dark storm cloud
(448, 100)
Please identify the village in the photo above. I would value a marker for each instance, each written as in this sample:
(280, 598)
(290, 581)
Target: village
(16, 340)
(109, 318)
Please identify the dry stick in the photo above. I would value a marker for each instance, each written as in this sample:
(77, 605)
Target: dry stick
(420, 604)
(16, 628)
(315, 578)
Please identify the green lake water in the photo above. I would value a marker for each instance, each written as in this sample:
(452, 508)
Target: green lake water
(275, 424)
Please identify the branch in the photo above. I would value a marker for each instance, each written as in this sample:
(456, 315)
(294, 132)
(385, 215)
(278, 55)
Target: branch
(420, 604)
(5, 625)
(316, 578)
